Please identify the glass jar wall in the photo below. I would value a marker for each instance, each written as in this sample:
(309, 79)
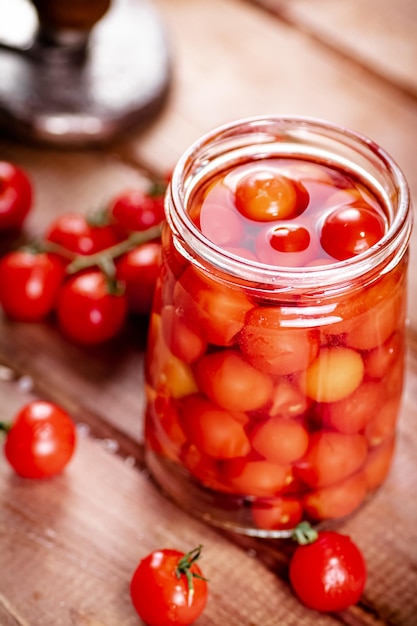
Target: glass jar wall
(276, 348)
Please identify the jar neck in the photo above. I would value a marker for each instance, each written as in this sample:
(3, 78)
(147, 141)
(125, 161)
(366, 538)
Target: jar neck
(301, 138)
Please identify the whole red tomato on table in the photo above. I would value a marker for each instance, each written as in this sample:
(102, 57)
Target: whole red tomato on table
(168, 588)
(40, 441)
(328, 574)
(15, 196)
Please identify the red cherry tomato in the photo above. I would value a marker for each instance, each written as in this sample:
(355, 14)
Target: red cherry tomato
(329, 574)
(182, 335)
(15, 196)
(218, 310)
(331, 457)
(213, 430)
(136, 209)
(261, 479)
(88, 312)
(280, 440)
(290, 238)
(264, 196)
(337, 500)
(271, 344)
(29, 284)
(277, 514)
(138, 269)
(350, 230)
(168, 588)
(41, 440)
(231, 382)
(74, 232)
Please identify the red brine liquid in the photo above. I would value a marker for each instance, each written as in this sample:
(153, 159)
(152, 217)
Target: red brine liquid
(265, 409)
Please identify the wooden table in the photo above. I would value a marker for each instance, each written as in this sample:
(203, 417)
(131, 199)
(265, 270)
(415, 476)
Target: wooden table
(68, 546)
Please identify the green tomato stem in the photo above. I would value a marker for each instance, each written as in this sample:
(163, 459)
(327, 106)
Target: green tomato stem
(137, 238)
(5, 427)
(304, 534)
(184, 567)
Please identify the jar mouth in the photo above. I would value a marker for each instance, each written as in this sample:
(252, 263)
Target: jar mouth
(291, 137)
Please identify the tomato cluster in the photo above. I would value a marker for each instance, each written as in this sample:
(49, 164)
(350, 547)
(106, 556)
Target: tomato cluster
(285, 403)
(89, 272)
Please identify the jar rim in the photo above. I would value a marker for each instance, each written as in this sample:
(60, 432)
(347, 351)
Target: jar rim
(394, 241)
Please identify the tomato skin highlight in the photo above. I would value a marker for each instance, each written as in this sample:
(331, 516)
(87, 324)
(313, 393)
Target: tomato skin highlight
(29, 284)
(329, 574)
(41, 440)
(16, 196)
(160, 597)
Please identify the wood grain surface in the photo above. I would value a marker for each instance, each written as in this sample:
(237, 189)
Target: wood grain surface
(68, 546)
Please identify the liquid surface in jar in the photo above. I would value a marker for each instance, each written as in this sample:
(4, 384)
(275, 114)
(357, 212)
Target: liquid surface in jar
(289, 212)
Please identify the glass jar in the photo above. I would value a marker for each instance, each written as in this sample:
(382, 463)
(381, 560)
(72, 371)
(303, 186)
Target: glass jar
(275, 360)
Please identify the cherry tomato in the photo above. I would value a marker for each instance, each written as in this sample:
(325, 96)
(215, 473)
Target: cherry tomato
(331, 456)
(265, 196)
(262, 479)
(287, 400)
(138, 269)
(277, 514)
(203, 467)
(378, 463)
(231, 382)
(382, 424)
(88, 313)
(219, 311)
(272, 346)
(337, 500)
(285, 245)
(334, 374)
(329, 574)
(41, 440)
(280, 440)
(75, 233)
(351, 414)
(136, 209)
(290, 238)
(182, 335)
(168, 588)
(213, 430)
(351, 230)
(29, 284)
(16, 196)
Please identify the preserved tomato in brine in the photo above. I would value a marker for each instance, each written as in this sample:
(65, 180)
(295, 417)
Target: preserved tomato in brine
(275, 399)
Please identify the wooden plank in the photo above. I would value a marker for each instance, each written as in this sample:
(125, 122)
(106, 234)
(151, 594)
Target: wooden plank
(376, 33)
